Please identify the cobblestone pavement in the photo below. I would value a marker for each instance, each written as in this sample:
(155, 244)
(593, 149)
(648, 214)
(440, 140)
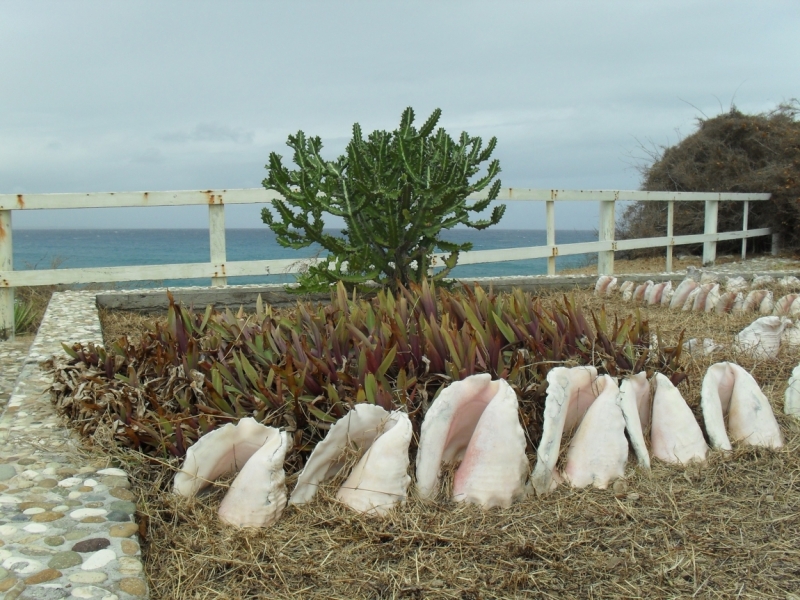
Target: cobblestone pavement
(67, 525)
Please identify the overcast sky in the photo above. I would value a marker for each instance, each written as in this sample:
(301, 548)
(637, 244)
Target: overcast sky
(113, 96)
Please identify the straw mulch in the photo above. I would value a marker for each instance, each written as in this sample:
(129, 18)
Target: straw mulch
(726, 529)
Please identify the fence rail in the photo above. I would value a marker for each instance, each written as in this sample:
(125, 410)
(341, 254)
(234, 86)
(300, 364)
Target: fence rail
(219, 268)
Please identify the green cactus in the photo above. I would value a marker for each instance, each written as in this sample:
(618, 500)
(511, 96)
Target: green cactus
(396, 192)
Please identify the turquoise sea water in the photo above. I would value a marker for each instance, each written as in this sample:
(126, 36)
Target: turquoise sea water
(39, 249)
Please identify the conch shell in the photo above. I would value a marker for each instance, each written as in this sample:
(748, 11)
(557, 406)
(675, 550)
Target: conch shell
(634, 396)
(791, 403)
(675, 436)
(762, 338)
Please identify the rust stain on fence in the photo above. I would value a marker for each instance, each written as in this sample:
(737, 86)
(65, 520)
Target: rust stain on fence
(213, 198)
(20, 201)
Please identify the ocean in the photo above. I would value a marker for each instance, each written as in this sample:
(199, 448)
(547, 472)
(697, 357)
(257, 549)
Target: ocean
(72, 248)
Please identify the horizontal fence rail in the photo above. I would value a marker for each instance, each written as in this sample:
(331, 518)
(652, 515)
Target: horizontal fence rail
(218, 269)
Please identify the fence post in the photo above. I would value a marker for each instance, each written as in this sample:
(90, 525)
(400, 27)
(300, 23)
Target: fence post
(551, 235)
(216, 232)
(710, 248)
(744, 227)
(6, 264)
(605, 258)
(670, 232)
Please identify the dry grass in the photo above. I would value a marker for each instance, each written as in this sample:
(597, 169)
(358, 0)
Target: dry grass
(726, 529)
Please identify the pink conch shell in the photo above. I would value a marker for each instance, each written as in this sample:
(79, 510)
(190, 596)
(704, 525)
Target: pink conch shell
(736, 284)
(257, 496)
(726, 301)
(791, 401)
(753, 300)
(675, 436)
(682, 292)
(784, 305)
(634, 399)
(767, 305)
(605, 285)
(357, 430)
(599, 449)
(762, 338)
(476, 420)
(640, 292)
(794, 309)
(712, 299)
(570, 393)
(789, 281)
(654, 297)
(626, 289)
(224, 450)
(495, 467)
(666, 294)
(729, 391)
(380, 479)
(738, 304)
(689, 304)
(699, 304)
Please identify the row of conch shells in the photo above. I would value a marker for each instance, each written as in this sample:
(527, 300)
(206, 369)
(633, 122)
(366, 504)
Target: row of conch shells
(700, 296)
(600, 413)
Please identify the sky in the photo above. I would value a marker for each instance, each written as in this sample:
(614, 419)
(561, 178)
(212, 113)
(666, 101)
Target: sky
(136, 96)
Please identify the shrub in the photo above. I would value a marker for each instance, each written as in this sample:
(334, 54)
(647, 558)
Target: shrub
(396, 191)
(732, 152)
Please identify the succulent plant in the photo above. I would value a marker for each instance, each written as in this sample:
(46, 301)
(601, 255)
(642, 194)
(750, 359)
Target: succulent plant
(302, 369)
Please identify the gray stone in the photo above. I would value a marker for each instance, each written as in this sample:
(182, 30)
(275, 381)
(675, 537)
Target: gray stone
(7, 472)
(118, 515)
(21, 518)
(123, 506)
(65, 560)
(37, 592)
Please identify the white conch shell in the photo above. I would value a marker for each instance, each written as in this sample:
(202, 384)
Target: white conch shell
(599, 450)
(762, 338)
(357, 430)
(257, 496)
(784, 304)
(791, 336)
(760, 280)
(789, 281)
(767, 305)
(640, 293)
(726, 301)
(682, 292)
(709, 277)
(675, 436)
(794, 309)
(221, 451)
(730, 391)
(738, 304)
(689, 304)
(570, 392)
(666, 294)
(699, 304)
(605, 285)
(495, 467)
(476, 420)
(712, 299)
(693, 346)
(654, 297)
(634, 400)
(791, 401)
(626, 289)
(736, 284)
(380, 479)
(753, 300)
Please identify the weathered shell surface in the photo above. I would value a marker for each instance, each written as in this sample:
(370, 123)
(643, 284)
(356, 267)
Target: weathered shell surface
(626, 289)
(699, 304)
(599, 450)
(784, 304)
(640, 292)
(715, 397)
(704, 348)
(736, 284)
(726, 301)
(753, 300)
(791, 336)
(634, 398)
(789, 281)
(767, 305)
(257, 496)
(750, 416)
(655, 293)
(689, 304)
(602, 284)
(356, 431)
(675, 437)
(380, 479)
(224, 450)
(570, 392)
(712, 299)
(761, 280)
(682, 292)
(762, 338)
(666, 294)
(791, 401)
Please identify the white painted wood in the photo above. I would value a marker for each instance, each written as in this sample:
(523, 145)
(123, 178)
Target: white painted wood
(263, 196)
(6, 264)
(605, 232)
(670, 232)
(745, 216)
(710, 247)
(216, 231)
(551, 235)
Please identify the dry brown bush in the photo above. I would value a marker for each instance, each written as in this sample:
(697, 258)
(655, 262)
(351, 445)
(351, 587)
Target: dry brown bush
(732, 152)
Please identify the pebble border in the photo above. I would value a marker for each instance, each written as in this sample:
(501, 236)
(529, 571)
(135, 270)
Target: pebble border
(67, 525)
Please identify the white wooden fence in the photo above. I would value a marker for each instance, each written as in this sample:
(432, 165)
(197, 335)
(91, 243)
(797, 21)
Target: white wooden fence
(219, 268)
